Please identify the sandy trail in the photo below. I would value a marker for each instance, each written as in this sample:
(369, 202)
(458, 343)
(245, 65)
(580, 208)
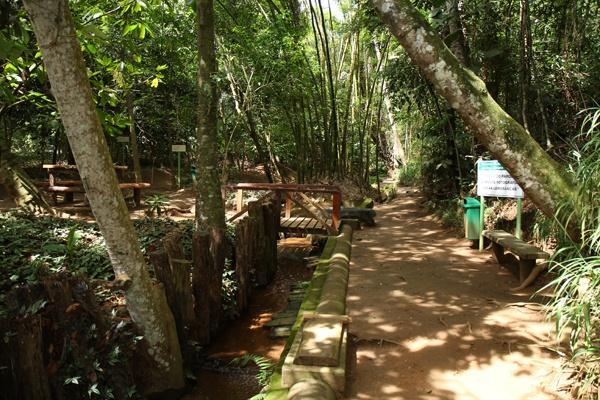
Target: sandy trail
(433, 319)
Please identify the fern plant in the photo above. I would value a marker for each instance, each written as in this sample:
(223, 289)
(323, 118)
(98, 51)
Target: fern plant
(576, 305)
(265, 366)
(157, 204)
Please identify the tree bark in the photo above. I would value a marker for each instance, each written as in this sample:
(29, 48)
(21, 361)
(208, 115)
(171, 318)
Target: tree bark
(133, 141)
(525, 54)
(209, 203)
(543, 180)
(245, 112)
(210, 211)
(146, 302)
(397, 148)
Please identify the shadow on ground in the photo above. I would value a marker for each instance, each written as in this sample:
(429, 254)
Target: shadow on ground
(434, 319)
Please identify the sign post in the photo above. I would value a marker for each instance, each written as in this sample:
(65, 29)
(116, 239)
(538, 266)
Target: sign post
(494, 181)
(125, 141)
(178, 148)
(481, 220)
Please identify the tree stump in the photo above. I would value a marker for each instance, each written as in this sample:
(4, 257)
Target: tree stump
(244, 257)
(255, 211)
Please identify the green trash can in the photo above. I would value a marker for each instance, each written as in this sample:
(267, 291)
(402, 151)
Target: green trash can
(472, 208)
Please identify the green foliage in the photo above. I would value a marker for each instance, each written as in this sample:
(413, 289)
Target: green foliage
(229, 290)
(576, 263)
(449, 211)
(96, 364)
(265, 366)
(32, 247)
(156, 203)
(409, 175)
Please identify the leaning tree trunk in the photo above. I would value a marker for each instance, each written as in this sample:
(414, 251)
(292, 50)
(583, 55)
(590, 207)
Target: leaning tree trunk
(543, 180)
(21, 188)
(146, 302)
(210, 212)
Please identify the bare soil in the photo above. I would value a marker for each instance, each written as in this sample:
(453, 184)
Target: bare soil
(433, 319)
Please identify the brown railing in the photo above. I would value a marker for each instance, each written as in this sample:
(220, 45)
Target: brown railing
(285, 188)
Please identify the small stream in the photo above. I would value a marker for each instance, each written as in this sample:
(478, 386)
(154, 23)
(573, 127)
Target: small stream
(218, 379)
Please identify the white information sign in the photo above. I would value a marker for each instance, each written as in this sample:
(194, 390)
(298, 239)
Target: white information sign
(178, 148)
(123, 139)
(494, 181)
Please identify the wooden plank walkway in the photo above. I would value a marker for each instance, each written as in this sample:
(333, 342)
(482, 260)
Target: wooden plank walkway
(303, 225)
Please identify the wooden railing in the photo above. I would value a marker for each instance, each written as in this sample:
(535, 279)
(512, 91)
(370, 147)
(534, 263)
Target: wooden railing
(282, 190)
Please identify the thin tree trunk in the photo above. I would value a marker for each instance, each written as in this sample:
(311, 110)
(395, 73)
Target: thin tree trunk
(210, 211)
(146, 301)
(245, 112)
(332, 94)
(133, 142)
(353, 65)
(525, 50)
(398, 152)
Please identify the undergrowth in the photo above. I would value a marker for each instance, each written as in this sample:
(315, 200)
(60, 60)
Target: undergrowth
(449, 211)
(263, 374)
(31, 246)
(577, 267)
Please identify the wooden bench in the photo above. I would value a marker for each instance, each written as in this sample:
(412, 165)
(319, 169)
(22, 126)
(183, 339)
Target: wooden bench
(70, 189)
(503, 241)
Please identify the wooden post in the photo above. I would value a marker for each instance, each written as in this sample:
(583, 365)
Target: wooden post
(137, 197)
(239, 199)
(270, 239)
(481, 221)
(201, 270)
(519, 215)
(244, 256)
(255, 211)
(278, 210)
(336, 209)
(29, 350)
(288, 207)
(175, 276)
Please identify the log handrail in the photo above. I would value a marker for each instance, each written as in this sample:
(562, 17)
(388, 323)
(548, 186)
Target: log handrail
(285, 187)
(72, 167)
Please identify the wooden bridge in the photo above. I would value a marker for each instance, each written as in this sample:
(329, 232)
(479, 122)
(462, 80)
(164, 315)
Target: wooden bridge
(295, 194)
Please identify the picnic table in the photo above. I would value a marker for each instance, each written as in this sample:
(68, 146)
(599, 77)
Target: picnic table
(69, 187)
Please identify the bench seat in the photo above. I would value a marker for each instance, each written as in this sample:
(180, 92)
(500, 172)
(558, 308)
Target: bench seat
(503, 241)
(45, 184)
(69, 190)
(516, 246)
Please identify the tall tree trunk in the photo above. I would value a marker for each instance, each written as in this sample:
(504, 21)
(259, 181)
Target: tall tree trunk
(146, 301)
(332, 95)
(397, 150)
(133, 142)
(525, 53)
(210, 212)
(246, 113)
(543, 180)
(350, 85)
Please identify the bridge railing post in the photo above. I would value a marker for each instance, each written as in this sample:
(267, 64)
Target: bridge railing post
(336, 209)
(288, 207)
(239, 199)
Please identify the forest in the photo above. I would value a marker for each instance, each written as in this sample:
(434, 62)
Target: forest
(182, 102)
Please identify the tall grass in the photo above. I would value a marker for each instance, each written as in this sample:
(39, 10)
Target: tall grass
(577, 266)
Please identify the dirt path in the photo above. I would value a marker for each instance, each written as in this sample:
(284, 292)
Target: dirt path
(433, 319)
